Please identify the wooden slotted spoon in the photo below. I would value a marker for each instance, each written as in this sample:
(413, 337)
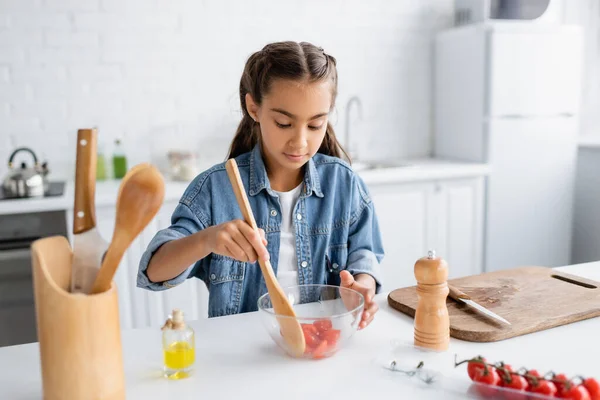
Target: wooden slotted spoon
(141, 195)
(290, 327)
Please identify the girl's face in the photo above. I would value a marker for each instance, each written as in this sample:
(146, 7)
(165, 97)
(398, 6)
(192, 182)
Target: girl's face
(293, 118)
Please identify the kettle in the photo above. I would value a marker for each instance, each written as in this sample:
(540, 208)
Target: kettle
(25, 181)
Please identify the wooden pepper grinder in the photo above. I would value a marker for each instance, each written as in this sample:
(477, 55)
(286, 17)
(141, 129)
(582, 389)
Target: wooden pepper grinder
(432, 324)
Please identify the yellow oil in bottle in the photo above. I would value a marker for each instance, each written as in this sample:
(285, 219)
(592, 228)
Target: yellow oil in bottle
(179, 355)
(178, 347)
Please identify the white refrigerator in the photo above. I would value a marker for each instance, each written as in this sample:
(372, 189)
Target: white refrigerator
(507, 94)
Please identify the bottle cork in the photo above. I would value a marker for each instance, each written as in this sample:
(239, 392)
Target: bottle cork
(176, 321)
(432, 324)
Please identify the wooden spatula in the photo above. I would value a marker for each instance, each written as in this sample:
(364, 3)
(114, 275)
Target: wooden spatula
(88, 244)
(140, 197)
(290, 327)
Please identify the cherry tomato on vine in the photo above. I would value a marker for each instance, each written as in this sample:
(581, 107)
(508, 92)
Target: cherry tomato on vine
(474, 366)
(593, 387)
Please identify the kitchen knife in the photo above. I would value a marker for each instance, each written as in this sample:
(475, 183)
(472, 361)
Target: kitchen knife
(88, 246)
(457, 295)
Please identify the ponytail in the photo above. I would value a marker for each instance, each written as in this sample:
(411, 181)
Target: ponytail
(246, 136)
(331, 146)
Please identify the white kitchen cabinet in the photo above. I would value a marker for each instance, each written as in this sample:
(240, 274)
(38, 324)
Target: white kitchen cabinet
(441, 215)
(403, 213)
(458, 221)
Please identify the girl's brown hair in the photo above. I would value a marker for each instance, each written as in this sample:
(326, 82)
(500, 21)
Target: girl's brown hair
(283, 60)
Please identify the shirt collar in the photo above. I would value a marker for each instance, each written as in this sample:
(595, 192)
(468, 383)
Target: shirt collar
(259, 179)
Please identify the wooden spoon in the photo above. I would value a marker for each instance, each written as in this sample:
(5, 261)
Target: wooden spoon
(141, 195)
(290, 327)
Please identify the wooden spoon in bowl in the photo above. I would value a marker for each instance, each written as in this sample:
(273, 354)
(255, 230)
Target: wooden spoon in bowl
(290, 327)
(141, 195)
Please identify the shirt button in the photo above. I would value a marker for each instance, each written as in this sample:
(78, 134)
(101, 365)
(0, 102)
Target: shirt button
(334, 265)
(213, 277)
(298, 217)
(304, 263)
(273, 213)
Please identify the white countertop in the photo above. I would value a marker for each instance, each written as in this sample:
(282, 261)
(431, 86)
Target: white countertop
(106, 196)
(237, 359)
(424, 169)
(590, 141)
(106, 191)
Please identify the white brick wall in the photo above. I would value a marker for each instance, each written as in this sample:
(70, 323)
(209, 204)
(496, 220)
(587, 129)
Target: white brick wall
(164, 73)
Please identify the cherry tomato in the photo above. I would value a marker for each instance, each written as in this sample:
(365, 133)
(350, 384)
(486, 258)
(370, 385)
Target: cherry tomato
(507, 367)
(504, 373)
(593, 387)
(533, 372)
(320, 350)
(310, 328)
(546, 388)
(323, 325)
(311, 337)
(473, 366)
(331, 336)
(540, 386)
(574, 392)
(518, 383)
(489, 378)
(560, 381)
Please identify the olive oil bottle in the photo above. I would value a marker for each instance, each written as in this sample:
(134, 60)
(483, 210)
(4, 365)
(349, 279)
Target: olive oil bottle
(179, 347)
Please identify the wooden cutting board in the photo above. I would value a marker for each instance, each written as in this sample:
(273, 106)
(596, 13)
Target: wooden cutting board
(530, 298)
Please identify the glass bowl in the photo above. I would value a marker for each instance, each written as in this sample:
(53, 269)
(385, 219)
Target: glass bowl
(329, 315)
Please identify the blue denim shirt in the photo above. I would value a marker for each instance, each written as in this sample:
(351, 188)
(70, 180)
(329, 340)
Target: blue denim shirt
(334, 221)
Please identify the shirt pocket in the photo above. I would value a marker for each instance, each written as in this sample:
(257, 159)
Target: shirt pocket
(336, 259)
(226, 284)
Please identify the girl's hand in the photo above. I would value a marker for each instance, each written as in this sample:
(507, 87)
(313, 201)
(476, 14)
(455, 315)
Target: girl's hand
(237, 239)
(365, 285)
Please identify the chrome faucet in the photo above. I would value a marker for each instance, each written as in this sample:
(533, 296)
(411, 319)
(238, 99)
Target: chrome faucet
(352, 100)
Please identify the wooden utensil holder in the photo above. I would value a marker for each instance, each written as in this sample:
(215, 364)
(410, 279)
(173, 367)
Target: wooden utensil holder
(79, 335)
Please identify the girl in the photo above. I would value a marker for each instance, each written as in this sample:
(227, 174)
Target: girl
(317, 222)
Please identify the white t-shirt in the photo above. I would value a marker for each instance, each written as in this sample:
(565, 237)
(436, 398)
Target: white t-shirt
(287, 267)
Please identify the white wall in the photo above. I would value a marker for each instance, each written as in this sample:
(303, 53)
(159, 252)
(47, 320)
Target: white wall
(164, 73)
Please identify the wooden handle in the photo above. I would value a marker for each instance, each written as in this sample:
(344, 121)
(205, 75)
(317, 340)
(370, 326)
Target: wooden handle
(240, 193)
(141, 195)
(84, 213)
(456, 294)
(242, 200)
(290, 327)
(107, 270)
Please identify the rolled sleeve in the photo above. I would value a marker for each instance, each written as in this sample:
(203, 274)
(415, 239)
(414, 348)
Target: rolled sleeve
(365, 262)
(183, 223)
(365, 249)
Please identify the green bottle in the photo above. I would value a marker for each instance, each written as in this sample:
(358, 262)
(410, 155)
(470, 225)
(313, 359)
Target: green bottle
(119, 161)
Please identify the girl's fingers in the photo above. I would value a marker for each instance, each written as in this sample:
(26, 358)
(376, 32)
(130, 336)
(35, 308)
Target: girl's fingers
(255, 239)
(365, 322)
(262, 234)
(245, 245)
(371, 310)
(368, 314)
(235, 251)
